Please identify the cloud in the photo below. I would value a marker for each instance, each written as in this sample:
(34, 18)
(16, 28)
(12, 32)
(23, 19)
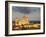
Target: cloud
(32, 12)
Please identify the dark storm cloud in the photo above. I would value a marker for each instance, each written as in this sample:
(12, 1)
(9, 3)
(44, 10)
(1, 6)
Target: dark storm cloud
(22, 9)
(25, 10)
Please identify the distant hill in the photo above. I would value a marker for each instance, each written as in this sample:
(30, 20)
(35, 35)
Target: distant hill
(30, 21)
(34, 21)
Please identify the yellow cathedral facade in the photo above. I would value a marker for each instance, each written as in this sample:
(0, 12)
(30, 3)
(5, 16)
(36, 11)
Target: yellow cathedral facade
(23, 21)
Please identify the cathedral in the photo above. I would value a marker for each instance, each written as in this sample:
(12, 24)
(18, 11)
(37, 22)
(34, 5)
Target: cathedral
(23, 21)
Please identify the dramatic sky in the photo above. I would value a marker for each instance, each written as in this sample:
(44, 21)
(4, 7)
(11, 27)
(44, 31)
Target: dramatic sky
(32, 12)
